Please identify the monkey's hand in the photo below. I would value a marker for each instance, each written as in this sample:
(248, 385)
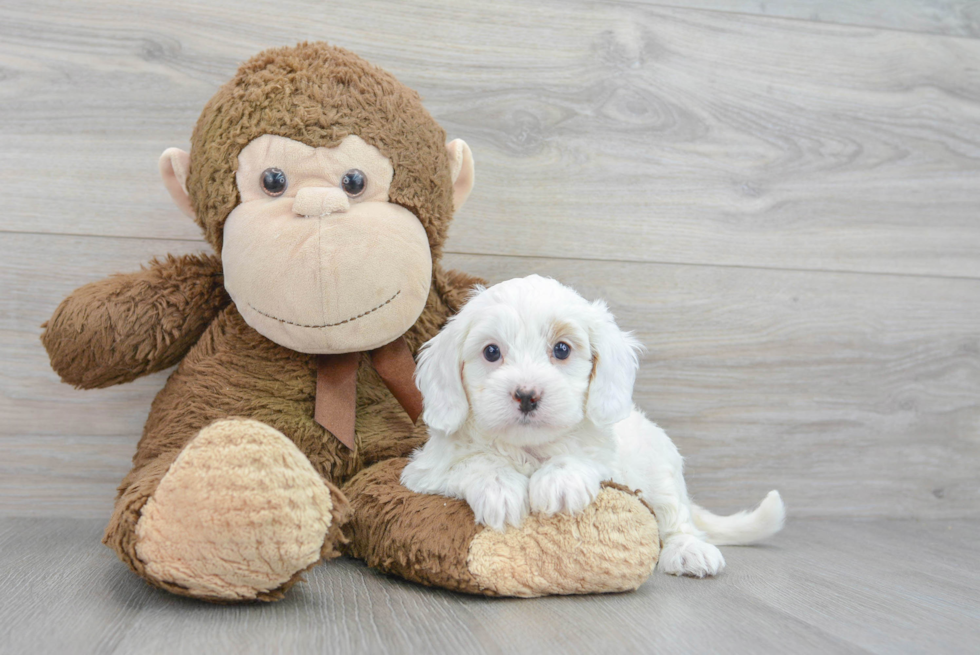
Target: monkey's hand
(128, 325)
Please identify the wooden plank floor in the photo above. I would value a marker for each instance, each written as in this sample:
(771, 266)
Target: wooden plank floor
(627, 131)
(830, 304)
(952, 17)
(822, 586)
(781, 198)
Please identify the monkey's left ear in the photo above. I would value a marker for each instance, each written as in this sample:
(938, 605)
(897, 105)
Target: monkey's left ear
(175, 164)
(461, 167)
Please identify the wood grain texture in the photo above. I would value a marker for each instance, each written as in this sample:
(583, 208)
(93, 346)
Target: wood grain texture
(950, 17)
(820, 586)
(601, 130)
(854, 394)
(782, 199)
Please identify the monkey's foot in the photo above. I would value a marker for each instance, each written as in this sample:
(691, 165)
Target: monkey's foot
(240, 514)
(611, 546)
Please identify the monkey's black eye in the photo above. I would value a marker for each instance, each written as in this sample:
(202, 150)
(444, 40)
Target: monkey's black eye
(562, 350)
(353, 182)
(491, 353)
(273, 182)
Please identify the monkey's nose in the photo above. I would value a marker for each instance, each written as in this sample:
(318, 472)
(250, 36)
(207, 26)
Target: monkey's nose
(528, 400)
(314, 202)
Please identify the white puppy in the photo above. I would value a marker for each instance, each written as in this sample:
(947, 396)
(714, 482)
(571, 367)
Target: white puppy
(528, 399)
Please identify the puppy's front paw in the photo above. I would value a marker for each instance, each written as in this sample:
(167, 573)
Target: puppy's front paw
(684, 554)
(563, 488)
(500, 501)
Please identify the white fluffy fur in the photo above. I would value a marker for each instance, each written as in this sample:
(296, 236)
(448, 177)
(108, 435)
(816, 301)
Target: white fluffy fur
(584, 430)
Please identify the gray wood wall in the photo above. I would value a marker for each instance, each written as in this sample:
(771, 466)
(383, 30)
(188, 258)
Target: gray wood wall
(782, 199)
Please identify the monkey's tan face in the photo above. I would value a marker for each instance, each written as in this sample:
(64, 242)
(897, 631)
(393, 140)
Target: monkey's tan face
(315, 257)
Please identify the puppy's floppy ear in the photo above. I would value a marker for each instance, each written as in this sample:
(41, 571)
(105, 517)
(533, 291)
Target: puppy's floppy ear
(614, 363)
(439, 377)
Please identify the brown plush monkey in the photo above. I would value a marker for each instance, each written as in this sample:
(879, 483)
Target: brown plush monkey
(327, 189)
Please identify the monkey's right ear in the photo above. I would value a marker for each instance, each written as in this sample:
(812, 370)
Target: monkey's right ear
(461, 168)
(175, 164)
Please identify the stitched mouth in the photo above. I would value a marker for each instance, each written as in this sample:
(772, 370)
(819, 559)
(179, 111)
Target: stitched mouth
(326, 325)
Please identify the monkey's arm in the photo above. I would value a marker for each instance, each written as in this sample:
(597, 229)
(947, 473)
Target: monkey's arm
(128, 325)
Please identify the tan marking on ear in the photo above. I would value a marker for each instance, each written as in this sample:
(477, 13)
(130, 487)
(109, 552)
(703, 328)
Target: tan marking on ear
(560, 330)
(611, 546)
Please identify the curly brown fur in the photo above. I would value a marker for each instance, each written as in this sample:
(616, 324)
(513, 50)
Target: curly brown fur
(177, 312)
(319, 94)
(115, 330)
(420, 537)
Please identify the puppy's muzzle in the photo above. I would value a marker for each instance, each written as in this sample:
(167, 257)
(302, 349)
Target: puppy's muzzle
(528, 400)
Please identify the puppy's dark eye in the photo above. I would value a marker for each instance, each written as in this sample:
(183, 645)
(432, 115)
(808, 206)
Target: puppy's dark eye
(273, 182)
(562, 350)
(353, 182)
(491, 353)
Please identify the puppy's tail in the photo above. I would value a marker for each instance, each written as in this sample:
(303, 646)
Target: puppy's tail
(744, 527)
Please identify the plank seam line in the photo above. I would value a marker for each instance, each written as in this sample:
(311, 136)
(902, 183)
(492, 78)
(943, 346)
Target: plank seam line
(204, 244)
(930, 276)
(880, 28)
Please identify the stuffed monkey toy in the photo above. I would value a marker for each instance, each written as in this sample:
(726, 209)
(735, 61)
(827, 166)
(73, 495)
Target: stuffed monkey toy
(277, 442)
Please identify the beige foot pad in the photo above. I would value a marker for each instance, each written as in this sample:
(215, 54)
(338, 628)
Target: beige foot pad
(240, 514)
(612, 546)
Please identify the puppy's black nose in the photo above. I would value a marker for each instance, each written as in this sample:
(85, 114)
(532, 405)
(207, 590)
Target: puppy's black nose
(527, 399)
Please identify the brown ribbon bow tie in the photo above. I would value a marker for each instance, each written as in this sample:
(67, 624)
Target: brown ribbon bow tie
(336, 386)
